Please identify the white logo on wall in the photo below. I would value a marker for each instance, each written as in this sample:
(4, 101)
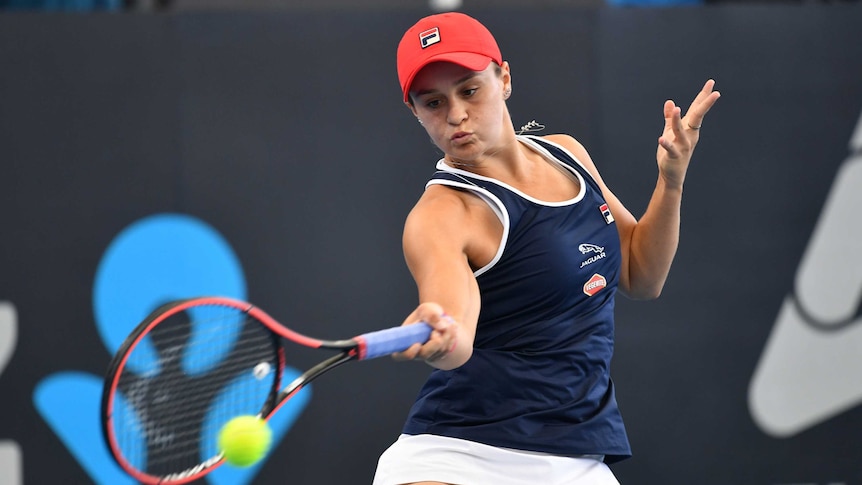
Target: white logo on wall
(10, 452)
(811, 367)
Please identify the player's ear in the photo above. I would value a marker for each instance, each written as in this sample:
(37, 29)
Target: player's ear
(412, 108)
(506, 77)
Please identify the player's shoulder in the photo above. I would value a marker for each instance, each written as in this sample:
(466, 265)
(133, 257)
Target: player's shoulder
(575, 148)
(440, 211)
(440, 205)
(578, 152)
(566, 141)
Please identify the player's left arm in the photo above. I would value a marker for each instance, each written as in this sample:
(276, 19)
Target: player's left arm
(648, 245)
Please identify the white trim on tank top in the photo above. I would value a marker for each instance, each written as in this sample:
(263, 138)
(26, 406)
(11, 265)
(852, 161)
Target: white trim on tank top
(497, 205)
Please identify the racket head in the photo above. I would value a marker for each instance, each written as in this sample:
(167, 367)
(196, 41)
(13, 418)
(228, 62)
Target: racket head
(187, 369)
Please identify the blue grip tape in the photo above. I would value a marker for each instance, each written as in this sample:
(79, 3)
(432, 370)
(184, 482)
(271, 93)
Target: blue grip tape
(396, 339)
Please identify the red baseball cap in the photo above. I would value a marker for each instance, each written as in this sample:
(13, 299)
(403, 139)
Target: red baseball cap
(450, 37)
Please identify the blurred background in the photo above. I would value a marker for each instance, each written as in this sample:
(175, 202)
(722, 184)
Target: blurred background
(364, 5)
(259, 149)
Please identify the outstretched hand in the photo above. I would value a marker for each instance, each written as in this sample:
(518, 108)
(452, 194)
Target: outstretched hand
(681, 133)
(442, 341)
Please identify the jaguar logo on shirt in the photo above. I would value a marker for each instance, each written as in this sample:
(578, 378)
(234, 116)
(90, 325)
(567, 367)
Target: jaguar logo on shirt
(590, 248)
(598, 253)
(595, 284)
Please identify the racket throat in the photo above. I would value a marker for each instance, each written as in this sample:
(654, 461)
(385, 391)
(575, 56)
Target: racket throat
(313, 373)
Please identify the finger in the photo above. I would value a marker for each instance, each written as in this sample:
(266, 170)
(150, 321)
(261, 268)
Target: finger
(437, 355)
(430, 313)
(696, 114)
(669, 147)
(701, 105)
(436, 346)
(676, 123)
(704, 92)
(409, 354)
(671, 125)
(669, 107)
(443, 323)
(440, 350)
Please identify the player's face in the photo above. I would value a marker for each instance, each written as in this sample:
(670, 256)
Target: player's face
(463, 111)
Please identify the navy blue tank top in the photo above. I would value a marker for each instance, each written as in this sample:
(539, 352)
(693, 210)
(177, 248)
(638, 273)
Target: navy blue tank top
(539, 377)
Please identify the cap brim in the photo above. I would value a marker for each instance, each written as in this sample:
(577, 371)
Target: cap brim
(469, 60)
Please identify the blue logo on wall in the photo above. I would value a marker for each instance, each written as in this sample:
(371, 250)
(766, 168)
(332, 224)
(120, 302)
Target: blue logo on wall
(156, 259)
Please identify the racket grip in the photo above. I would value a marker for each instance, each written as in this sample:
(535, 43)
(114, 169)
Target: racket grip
(395, 339)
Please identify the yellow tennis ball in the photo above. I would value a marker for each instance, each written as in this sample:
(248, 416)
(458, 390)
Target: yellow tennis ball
(244, 440)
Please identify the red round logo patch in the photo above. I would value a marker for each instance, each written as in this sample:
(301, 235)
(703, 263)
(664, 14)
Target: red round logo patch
(595, 284)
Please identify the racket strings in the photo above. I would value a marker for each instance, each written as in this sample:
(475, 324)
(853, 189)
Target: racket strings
(187, 377)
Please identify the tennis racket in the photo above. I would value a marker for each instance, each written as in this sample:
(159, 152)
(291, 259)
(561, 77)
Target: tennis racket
(192, 365)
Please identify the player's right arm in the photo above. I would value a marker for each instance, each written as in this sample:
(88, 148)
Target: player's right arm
(437, 237)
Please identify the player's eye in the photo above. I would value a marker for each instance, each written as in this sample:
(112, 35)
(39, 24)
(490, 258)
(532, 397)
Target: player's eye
(433, 103)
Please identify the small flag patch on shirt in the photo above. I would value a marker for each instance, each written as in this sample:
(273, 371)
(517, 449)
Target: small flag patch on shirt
(606, 213)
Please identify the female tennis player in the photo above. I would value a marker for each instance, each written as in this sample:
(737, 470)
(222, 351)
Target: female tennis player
(518, 247)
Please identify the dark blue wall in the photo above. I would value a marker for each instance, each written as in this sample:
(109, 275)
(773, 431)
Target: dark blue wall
(284, 132)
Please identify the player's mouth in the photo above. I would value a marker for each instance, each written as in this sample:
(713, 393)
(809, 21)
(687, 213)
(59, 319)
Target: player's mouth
(460, 137)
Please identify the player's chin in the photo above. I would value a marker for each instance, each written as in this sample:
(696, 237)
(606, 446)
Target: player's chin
(466, 153)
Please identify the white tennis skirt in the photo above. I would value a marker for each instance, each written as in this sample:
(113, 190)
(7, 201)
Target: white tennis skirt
(419, 458)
